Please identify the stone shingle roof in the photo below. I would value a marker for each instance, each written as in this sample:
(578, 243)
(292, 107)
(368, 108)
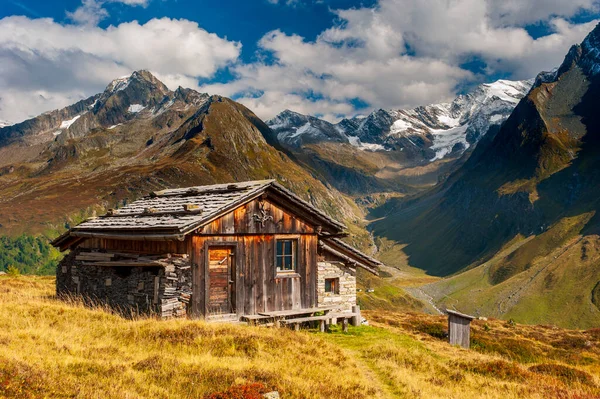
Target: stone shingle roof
(177, 212)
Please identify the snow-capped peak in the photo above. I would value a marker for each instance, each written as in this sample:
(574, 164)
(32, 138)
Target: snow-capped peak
(507, 90)
(443, 129)
(119, 84)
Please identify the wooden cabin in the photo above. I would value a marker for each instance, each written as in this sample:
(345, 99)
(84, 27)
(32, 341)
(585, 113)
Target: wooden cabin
(228, 249)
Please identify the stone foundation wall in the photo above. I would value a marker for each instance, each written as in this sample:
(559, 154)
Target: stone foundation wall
(345, 297)
(164, 290)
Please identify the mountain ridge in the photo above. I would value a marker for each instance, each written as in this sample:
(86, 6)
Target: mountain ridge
(135, 137)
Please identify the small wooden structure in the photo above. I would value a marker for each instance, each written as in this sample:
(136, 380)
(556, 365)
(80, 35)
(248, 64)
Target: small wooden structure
(220, 251)
(459, 328)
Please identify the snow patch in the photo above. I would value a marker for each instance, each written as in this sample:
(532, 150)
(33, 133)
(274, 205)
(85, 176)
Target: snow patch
(307, 128)
(57, 133)
(355, 141)
(449, 120)
(506, 90)
(119, 84)
(135, 108)
(399, 126)
(496, 118)
(114, 126)
(445, 139)
(67, 124)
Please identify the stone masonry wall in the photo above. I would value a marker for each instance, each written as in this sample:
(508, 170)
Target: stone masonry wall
(346, 298)
(164, 290)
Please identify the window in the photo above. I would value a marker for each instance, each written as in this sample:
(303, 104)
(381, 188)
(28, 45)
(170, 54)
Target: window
(332, 285)
(286, 257)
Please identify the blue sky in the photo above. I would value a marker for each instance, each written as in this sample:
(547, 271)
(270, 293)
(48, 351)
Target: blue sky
(331, 58)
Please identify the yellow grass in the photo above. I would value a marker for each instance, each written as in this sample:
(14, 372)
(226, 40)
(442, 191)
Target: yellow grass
(53, 349)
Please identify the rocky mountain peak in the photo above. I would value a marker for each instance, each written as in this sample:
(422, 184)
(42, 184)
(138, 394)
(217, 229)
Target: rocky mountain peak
(141, 78)
(429, 132)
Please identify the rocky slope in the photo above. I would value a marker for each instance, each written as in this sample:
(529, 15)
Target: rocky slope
(135, 137)
(535, 179)
(399, 150)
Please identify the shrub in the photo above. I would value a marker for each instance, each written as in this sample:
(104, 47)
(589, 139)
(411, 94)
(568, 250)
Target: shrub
(12, 271)
(19, 381)
(243, 391)
(436, 330)
(499, 369)
(566, 374)
(521, 350)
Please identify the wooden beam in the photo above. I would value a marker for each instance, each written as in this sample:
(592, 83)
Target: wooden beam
(348, 259)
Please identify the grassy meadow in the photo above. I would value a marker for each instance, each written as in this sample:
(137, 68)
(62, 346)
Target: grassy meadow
(54, 349)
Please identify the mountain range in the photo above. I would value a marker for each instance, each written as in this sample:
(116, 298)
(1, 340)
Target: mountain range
(135, 137)
(397, 150)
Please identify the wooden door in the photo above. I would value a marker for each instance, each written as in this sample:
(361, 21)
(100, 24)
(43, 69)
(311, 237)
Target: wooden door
(221, 280)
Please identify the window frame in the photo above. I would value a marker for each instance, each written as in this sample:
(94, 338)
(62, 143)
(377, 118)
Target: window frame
(295, 239)
(335, 286)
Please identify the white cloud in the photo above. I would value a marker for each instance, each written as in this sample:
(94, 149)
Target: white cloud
(89, 13)
(53, 63)
(92, 11)
(404, 53)
(400, 53)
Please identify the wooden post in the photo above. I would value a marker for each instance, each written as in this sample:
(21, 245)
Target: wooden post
(322, 325)
(357, 319)
(459, 328)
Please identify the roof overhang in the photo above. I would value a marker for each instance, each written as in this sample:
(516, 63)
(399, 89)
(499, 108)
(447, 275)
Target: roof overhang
(349, 254)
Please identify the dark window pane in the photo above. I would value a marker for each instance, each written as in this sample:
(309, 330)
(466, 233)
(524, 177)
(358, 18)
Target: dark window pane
(286, 254)
(332, 285)
(288, 247)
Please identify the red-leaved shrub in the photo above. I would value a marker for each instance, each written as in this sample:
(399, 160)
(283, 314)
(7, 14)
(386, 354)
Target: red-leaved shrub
(243, 391)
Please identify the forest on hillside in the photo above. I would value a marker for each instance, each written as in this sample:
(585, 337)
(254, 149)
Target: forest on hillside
(28, 254)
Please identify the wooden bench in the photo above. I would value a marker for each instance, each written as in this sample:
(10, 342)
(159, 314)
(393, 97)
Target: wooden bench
(254, 319)
(324, 321)
(346, 317)
(299, 320)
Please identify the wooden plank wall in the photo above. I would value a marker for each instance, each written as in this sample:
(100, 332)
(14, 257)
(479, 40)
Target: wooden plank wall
(257, 286)
(459, 331)
(145, 247)
(242, 221)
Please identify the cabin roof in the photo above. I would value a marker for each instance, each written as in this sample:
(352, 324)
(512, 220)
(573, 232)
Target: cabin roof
(461, 315)
(172, 214)
(350, 254)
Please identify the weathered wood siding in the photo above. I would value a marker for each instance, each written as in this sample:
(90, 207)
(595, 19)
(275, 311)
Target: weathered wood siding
(243, 221)
(258, 287)
(459, 331)
(145, 247)
(251, 229)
